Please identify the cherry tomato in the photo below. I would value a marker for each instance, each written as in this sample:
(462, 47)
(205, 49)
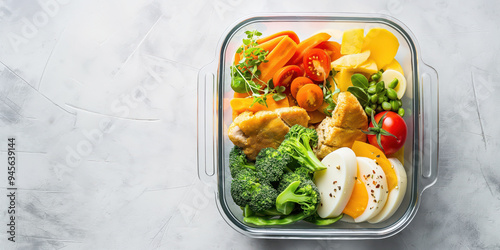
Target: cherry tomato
(392, 123)
(307, 44)
(310, 97)
(331, 48)
(285, 75)
(317, 64)
(297, 83)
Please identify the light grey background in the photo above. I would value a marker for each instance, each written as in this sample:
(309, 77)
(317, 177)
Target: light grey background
(101, 97)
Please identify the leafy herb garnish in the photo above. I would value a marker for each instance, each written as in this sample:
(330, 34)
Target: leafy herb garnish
(359, 80)
(245, 73)
(328, 94)
(360, 89)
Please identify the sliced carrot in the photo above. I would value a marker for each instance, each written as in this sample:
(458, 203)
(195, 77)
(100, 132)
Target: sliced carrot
(277, 58)
(240, 105)
(310, 97)
(267, 46)
(241, 95)
(302, 47)
(237, 58)
(271, 44)
(288, 33)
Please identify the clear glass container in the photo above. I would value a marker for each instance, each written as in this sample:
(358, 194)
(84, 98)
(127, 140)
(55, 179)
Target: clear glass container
(420, 103)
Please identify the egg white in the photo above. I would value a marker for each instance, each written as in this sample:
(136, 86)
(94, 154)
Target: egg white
(395, 196)
(375, 183)
(336, 182)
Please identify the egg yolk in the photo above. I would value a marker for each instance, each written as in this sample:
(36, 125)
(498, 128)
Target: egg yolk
(359, 199)
(372, 152)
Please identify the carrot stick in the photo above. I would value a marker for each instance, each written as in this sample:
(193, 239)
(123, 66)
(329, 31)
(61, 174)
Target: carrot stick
(268, 46)
(288, 33)
(240, 105)
(277, 58)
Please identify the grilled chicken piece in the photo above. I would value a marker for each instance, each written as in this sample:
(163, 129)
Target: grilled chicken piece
(253, 132)
(293, 115)
(348, 113)
(323, 150)
(343, 128)
(339, 137)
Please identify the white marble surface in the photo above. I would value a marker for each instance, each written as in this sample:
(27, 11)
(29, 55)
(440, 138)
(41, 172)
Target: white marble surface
(100, 96)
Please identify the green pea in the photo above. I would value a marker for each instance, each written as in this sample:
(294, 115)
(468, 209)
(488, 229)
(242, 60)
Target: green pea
(368, 111)
(376, 76)
(386, 99)
(374, 106)
(400, 103)
(378, 109)
(394, 105)
(386, 106)
(374, 98)
(372, 90)
(380, 86)
(401, 112)
(380, 100)
(373, 83)
(394, 83)
(392, 94)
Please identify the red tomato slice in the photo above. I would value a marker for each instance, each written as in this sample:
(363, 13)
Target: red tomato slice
(297, 84)
(284, 76)
(317, 64)
(394, 124)
(331, 48)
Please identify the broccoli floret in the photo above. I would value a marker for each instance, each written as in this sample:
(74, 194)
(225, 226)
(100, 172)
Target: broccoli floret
(238, 161)
(290, 177)
(264, 198)
(305, 172)
(270, 165)
(298, 143)
(242, 187)
(246, 189)
(306, 196)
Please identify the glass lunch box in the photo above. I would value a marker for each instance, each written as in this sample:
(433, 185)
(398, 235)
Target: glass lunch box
(420, 103)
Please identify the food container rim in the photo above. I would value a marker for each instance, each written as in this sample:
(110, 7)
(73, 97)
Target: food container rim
(320, 233)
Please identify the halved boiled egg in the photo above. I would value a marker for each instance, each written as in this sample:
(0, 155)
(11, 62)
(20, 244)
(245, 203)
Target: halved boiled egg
(370, 192)
(336, 182)
(396, 194)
